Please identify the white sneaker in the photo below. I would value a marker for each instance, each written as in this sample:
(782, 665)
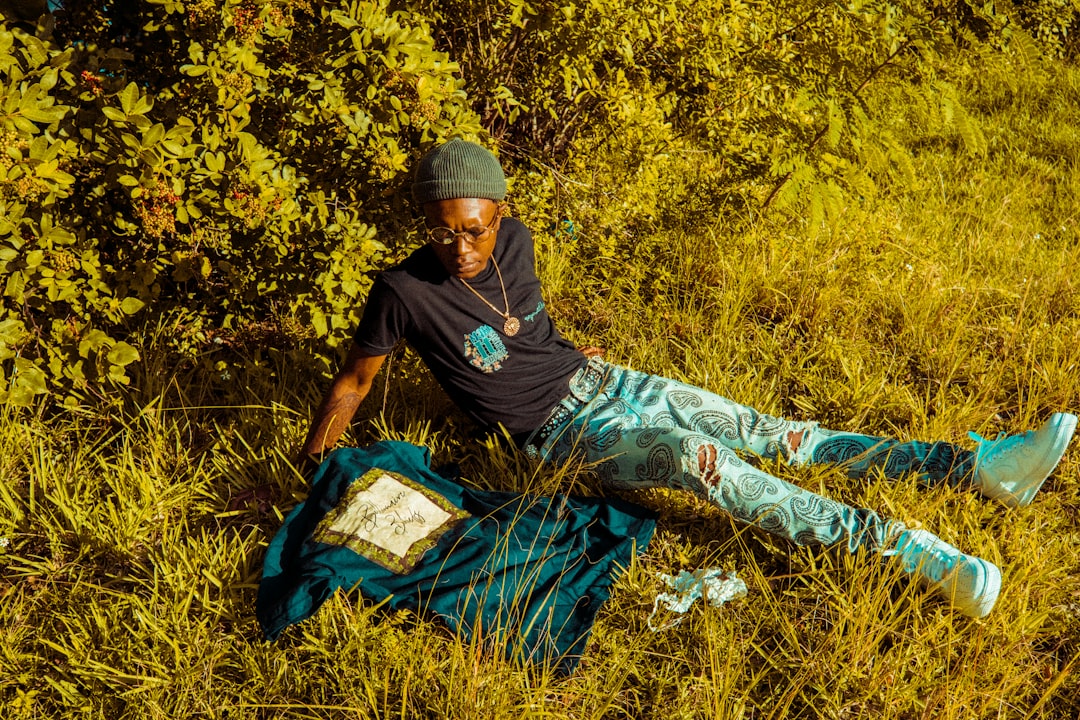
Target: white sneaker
(1013, 468)
(970, 584)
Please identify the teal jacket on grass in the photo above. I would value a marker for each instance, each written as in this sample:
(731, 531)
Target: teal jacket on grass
(526, 573)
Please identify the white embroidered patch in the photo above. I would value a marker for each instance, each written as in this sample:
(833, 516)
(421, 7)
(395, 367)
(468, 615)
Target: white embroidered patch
(388, 519)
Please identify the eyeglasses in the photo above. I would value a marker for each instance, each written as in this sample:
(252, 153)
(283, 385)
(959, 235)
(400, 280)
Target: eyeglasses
(449, 236)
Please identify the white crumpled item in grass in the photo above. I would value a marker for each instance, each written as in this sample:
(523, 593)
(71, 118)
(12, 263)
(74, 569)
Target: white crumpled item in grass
(714, 584)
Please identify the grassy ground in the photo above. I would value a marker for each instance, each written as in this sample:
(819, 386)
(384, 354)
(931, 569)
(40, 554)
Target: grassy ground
(132, 540)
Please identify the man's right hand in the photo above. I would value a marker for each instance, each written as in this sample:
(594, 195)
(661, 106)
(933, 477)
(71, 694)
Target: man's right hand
(348, 389)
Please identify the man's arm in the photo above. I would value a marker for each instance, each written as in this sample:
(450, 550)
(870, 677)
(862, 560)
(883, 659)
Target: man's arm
(348, 389)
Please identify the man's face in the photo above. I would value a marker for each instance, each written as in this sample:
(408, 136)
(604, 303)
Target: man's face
(464, 257)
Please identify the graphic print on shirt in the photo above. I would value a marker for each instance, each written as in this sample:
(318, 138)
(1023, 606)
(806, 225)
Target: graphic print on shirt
(485, 349)
(539, 308)
(389, 519)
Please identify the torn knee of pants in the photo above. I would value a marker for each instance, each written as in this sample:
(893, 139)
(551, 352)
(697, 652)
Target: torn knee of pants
(704, 464)
(797, 445)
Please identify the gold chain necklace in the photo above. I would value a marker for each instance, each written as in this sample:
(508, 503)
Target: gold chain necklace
(511, 325)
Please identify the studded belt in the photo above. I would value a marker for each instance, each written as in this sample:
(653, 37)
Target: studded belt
(583, 387)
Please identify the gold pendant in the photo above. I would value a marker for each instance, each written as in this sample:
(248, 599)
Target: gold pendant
(511, 326)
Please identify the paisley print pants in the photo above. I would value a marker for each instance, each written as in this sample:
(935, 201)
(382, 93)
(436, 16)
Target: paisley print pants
(642, 431)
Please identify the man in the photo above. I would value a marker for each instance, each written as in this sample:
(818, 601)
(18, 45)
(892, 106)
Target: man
(469, 303)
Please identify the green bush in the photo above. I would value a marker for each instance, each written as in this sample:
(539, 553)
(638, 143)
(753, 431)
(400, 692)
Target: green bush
(775, 98)
(221, 168)
(231, 173)
(1053, 23)
(634, 120)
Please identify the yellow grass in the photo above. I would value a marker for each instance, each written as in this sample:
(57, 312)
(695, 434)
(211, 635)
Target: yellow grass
(131, 554)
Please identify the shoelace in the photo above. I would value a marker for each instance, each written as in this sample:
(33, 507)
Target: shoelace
(1000, 445)
(933, 562)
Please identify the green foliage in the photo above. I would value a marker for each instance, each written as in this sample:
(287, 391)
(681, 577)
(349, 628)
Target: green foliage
(226, 170)
(779, 93)
(1053, 23)
(130, 542)
(235, 171)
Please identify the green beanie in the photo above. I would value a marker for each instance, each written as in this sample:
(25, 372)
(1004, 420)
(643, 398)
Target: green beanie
(459, 169)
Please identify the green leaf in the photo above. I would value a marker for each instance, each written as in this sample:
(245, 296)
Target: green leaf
(92, 341)
(36, 50)
(153, 135)
(128, 97)
(132, 305)
(15, 285)
(113, 114)
(122, 354)
(46, 169)
(49, 114)
(27, 381)
(215, 162)
(24, 124)
(318, 321)
(48, 80)
(11, 331)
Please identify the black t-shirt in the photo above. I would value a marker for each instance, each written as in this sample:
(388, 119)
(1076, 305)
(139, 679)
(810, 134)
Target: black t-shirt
(495, 379)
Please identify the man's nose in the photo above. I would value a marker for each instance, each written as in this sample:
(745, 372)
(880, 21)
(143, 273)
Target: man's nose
(461, 244)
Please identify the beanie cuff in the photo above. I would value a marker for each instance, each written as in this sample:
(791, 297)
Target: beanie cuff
(459, 169)
(449, 189)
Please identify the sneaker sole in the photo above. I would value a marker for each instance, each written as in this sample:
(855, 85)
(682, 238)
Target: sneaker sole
(971, 588)
(987, 597)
